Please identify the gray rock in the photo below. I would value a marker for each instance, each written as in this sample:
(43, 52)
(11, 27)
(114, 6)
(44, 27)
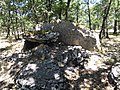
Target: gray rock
(41, 52)
(41, 76)
(40, 38)
(114, 76)
(45, 72)
(73, 57)
(73, 35)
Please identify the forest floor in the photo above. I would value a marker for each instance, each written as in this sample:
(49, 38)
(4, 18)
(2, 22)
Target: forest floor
(95, 77)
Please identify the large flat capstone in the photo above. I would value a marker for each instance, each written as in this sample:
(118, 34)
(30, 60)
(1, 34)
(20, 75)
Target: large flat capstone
(73, 35)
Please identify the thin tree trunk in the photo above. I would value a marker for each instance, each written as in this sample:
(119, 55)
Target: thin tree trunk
(49, 9)
(24, 29)
(116, 20)
(107, 35)
(8, 22)
(119, 26)
(14, 32)
(16, 19)
(60, 15)
(106, 12)
(77, 13)
(60, 11)
(8, 31)
(115, 27)
(67, 7)
(89, 15)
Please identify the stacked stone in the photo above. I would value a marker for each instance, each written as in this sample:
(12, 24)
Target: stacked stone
(40, 38)
(51, 73)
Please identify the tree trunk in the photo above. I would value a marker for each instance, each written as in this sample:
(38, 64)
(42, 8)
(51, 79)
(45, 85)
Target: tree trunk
(8, 22)
(8, 31)
(16, 20)
(14, 32)
(115, 27)
(106, 12)
(107, 34)
(119, 26)
(49, 9)
(77, 14)
(89, 15)
(116, 20)
(67, 7)
(60, 11)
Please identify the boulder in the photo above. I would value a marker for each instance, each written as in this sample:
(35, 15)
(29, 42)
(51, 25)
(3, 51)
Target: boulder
(114, 76)
(73, 35)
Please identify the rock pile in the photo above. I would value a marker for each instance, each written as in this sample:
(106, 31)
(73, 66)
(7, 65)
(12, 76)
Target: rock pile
(51, 68)
(54, 60)
(41, 76)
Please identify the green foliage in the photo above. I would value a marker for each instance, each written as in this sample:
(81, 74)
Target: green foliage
(25, 14)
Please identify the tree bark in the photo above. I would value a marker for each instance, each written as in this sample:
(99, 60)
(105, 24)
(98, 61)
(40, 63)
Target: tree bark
(8, 31)
(116, 20)
(8, 22)
(16, 20)
(119, 26)
(67, 7)
(107, 34)
(77, 13)
(60, 11)
(115, 27)
(89, 15)
(106, 12)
